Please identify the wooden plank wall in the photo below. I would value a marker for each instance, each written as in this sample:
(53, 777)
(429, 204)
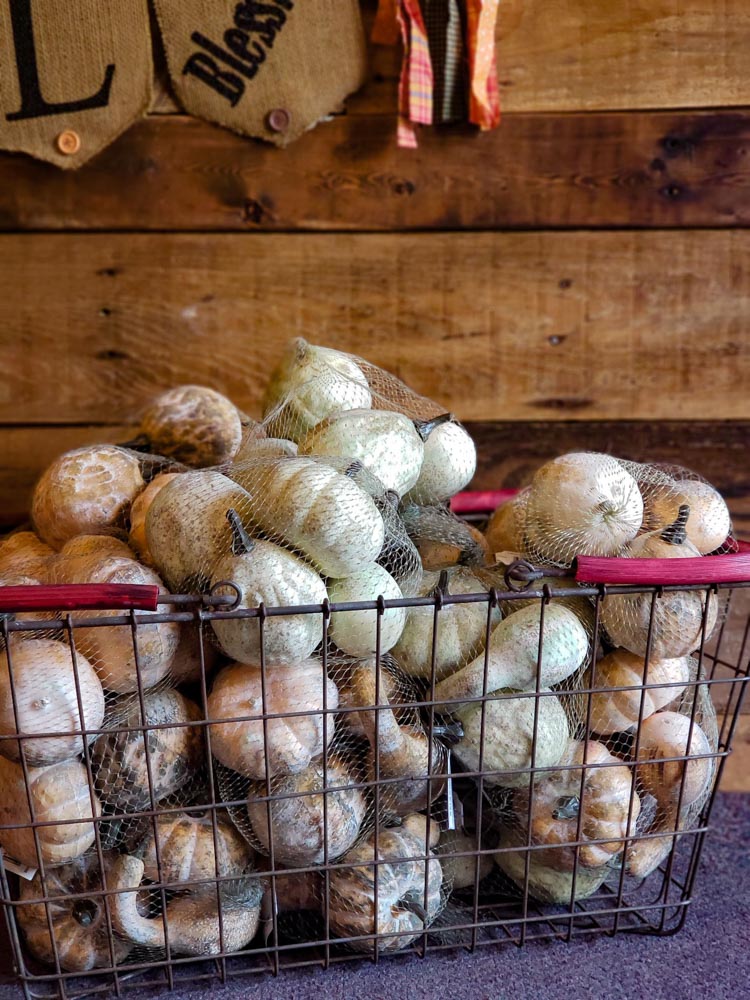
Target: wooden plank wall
(579, 278)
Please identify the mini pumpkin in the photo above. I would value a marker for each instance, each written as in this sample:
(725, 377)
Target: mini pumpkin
(285, 744)
(186, 849)
(24, 554)
(121, 759)
(298, 823)
(86, 491)
(194, 425)
(616, 711)
(677, 626)
(112, 650)
(271, 575)
(356, 632)
(47, 686)
(602, 808)
(668, 735)
(448, 464)
(461, 628)
(79, 926)
(406, 905)
(59, 794)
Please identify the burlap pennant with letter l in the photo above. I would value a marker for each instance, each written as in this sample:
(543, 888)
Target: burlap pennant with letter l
(267, 69)
(74, 74)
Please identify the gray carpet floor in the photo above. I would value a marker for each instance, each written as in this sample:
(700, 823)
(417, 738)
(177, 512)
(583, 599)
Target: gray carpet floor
(708, 960)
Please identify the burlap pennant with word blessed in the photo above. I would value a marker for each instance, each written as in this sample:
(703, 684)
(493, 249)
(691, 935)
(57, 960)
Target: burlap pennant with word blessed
(267, 69)
(74, 74)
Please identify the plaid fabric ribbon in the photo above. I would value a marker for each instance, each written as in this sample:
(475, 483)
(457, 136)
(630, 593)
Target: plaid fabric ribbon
(430, 88)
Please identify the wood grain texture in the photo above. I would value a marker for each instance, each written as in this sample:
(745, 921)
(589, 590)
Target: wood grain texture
(578, 55)
(736, 776)
(646, 169)
(582, 326)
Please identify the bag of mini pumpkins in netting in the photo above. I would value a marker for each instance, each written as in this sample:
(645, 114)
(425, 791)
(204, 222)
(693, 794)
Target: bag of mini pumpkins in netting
(644, 715)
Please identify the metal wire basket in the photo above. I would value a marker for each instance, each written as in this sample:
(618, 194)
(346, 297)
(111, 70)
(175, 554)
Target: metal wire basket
(490, 908)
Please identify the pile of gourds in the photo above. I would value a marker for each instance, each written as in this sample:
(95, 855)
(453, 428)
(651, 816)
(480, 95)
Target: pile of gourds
(319, 724)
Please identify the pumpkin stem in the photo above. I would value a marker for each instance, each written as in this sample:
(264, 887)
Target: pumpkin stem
(425, 427)
(676, 534)
(442, 584)
(242, 543)
(354, 469)
(568, 807)
(392, 499)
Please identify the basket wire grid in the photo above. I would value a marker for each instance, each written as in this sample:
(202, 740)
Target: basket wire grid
(492, 913)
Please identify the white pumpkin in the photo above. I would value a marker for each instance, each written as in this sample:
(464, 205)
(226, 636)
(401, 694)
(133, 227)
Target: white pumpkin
(386, 443)
(309, 384)
(286, 744)
(309, 506)
(187, 530)
(508, 738)
(268, 574)
(355, 632)
(44, 684)
(583, 503)
(448, 466)
(461, 628)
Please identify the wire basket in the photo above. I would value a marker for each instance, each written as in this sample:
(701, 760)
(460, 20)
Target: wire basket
(474, 871)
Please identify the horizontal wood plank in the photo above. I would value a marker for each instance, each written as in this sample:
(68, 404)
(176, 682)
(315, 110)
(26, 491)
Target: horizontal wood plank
(581, 326)
(578, 55)
(736, 776)
(646, 169)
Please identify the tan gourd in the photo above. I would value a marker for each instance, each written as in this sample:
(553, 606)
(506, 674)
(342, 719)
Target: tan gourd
(192, 920)
(308, 385)
(645, 854)
(396, 689)
(175, 753)
(268, 574)
(602, 808)
(404, 908)
(448, 464)
(441, 538)
(509, 746)
(87, 491)
(663, 736)
(24, 554)
(139, 510)
(402, 747)
(582, 503)
(459, 858)
(46, 699)
(288, 744)
(186, 849)
(708, 524)
(113, 650)
(187, 531)
(297, 824)
(79, 926)
(461, 628)
(619, 711)
(355, 632)
(548, 885)
(194, 425)
(678, 614)
(59, 794)
(513, 655)
(505, 528)
(265, 448)
(307, 505)
(387, 443)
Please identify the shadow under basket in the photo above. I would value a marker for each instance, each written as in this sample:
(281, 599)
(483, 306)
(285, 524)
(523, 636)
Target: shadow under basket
(467, 849)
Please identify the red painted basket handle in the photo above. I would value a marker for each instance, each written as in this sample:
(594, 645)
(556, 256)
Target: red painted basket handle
(80, 597)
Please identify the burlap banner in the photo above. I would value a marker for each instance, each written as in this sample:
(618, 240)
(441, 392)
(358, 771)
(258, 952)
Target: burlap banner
(267, 69)
(74, 74)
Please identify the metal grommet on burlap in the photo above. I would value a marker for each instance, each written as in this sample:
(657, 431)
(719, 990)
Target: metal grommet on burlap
(68, 142)
(278, 120)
